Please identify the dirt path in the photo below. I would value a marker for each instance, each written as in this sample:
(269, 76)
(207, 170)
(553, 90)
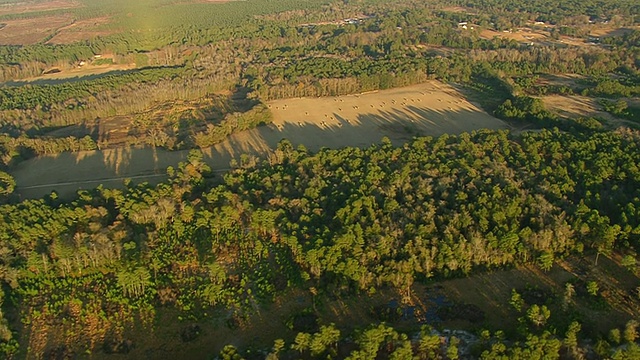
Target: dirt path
(334, 122)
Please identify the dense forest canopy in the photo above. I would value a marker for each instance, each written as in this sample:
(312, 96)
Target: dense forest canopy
(82, 276)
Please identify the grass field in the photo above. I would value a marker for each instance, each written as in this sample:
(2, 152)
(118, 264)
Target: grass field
(523, 35)
(87, 72)
(79, 30)
(21, 7)
(31, 30)
(573, 106)
(354, 120)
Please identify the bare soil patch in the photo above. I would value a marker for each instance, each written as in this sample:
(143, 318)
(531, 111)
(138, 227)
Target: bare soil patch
(32, 6)
(31, 31)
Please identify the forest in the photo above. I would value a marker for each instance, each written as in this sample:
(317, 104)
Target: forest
(98, 275)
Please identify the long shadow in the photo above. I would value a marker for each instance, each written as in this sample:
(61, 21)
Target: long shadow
(58, 81)
(68, 172)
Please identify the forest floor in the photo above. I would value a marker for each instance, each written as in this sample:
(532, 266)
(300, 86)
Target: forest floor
(431, 109)
(486, 295)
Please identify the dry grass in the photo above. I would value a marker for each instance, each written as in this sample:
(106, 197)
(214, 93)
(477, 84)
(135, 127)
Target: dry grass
(80, 30)
(32, 6)
(428, 109)
(607, 31)
(521, 35)
(574, 106)
(354, 120)
(31, 31)
(492, 291)
(456, 9)
(75, 74)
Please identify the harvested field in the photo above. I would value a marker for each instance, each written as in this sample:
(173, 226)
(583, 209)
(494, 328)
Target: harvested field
(573, 106)
(487, 294)
(86, 72)
(522, 35)
(27, 7)
(606, 31)
(354, 120)
(31, 31)
(428, 109)
(81, 30)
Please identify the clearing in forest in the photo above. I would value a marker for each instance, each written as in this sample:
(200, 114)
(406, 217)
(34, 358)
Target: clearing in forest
(32, 30)
(334, 122)
(430, 109)
(85, 29)
(33, 6)
(574, 106)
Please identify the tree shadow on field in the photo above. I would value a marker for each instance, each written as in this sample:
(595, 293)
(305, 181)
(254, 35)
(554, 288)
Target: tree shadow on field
(68, 172)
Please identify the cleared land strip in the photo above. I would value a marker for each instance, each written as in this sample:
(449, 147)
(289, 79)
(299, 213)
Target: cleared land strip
(399, 114)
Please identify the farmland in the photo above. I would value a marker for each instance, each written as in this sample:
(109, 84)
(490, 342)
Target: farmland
(430, 109)
(319, 179)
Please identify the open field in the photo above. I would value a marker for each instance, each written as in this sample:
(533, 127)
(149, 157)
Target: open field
(32, 30)
(520, 35)
(354, 120)
(85, 29)
(605, 31)
(491, 291)
(428, 109)
(87, 72)
(573, 106)
(32, 6)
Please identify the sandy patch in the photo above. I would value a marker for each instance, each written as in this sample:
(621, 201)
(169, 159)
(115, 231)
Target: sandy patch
(429, 109)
